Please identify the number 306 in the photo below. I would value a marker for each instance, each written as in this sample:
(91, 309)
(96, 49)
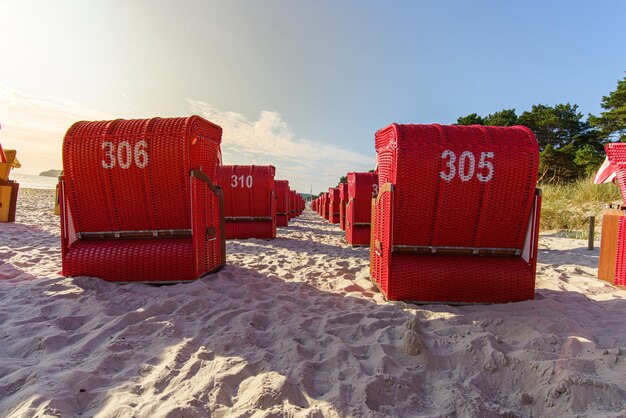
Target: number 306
(124, 156)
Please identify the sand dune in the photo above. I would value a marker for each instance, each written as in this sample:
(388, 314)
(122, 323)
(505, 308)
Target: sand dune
(294, 327)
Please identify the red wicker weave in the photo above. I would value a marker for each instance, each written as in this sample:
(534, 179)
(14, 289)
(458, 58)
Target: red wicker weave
(333, 205)
(249, 200)
(292, 204)
(281, 188)
(138, 202)
(361, 188)
(343, 201)
(620, 259)
(301, 204)
(326, 208)
(443, 191)
(616, 153)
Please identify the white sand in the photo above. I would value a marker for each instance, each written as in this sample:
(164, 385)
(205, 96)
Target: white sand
(293, 327)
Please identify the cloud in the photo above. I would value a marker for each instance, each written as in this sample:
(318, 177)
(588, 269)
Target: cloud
(36, 127)
(270, 140)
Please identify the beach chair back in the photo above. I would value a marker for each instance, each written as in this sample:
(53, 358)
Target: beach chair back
(343, 201)
(292, 204)
(615, 251)
(249, 200)
(143, 181)
(281, 189)
(361, 188)
(451, 192)
(333, 205)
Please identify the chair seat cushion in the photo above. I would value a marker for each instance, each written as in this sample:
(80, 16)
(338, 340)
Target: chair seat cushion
(129, 260)
(460, 278)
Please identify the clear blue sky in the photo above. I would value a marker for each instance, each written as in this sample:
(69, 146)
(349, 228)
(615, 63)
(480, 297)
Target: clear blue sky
(310, 77)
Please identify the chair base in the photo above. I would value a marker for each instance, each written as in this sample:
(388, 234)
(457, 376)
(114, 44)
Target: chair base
(282, 220)
(142, 260)
(457, 279)
(358, 235)
(245, 230)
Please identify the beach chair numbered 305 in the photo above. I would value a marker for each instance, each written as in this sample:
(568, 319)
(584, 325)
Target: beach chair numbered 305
(457, 213)
(138, 202)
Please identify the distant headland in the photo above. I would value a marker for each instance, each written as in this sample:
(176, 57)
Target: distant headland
(50, 173)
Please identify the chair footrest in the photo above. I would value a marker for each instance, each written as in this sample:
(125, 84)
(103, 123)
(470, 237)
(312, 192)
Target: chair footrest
(133, 260)
(243, 229)
(460, 278)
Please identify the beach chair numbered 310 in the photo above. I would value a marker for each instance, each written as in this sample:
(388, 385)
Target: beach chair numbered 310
(138, 203)
(249, 200)
(457, 213)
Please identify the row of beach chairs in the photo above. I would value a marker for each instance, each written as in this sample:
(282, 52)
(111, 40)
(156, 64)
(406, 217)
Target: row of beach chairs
(451, 213)
(149, 200)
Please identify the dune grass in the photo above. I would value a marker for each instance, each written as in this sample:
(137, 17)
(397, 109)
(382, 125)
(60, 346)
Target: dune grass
(568, 206)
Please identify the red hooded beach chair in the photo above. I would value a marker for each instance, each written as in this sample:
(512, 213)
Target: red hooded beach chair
(333, 205)
(292, 204)
(301, 204)
(343, 202)
(361, 188)
(457, 213)
(138, 202)
(249, 200)
(281, 188)
(326, 207)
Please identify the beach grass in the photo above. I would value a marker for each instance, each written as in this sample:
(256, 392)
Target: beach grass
(567, 207)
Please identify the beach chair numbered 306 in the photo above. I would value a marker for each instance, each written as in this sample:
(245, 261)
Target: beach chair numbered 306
(456, 218)
(138, 202)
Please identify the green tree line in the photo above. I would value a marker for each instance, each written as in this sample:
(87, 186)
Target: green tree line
(571, 145)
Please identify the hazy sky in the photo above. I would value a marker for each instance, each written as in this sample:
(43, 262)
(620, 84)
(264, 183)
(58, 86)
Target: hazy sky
(303, 85)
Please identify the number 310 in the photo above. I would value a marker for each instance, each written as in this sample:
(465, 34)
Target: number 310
(467, 166)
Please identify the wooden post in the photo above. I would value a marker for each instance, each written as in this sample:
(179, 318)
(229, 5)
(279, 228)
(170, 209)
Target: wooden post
(592, 226)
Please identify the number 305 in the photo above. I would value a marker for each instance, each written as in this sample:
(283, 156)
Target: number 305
(466, 166)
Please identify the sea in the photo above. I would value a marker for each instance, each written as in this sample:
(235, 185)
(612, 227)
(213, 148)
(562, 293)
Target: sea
(29, 181)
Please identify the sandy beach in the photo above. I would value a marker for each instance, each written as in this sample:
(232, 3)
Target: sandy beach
(294, 327)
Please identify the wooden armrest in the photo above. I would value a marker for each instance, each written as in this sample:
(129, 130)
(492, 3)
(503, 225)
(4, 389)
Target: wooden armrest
(387, 187)
(200, 175)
